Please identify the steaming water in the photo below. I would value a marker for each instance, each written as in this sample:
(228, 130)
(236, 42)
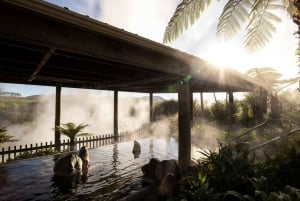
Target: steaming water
(114, 173)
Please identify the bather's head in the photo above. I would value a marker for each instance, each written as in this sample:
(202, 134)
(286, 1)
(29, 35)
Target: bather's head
(84, 153)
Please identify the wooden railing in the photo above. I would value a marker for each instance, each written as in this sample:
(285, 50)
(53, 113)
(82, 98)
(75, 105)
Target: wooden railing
(12, 153)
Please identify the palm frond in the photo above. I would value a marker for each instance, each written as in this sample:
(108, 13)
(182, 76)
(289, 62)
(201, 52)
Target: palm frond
(264, 74)
(4, 137)
(288, 82)
(185, 15)
(72, 130)
(260, 28)
(234, 13)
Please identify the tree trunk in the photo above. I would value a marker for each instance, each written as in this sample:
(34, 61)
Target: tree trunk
(275, 108)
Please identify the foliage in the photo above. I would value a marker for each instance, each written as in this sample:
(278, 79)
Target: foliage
(232, 173)
(72, 130)
(291, 106)
(245, 115)
(165, 108)
(222, 113)
(186, 13)
(18, 109)
(4, 137)
(259, 15)
(28, 154)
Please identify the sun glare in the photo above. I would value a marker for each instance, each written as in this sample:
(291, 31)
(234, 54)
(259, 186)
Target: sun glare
(226, 56)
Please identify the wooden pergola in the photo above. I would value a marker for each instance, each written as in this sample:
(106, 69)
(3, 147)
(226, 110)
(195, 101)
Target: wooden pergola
(43, 44)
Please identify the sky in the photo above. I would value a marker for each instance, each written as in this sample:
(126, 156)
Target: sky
(148, 18)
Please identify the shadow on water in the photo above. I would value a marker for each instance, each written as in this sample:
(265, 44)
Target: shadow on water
(3, 176)
(114, 172)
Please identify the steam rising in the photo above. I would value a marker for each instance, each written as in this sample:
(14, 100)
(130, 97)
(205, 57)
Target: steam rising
(81, 106)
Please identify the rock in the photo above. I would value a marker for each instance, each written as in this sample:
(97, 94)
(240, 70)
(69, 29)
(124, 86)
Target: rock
(68, 165)
(162, 176)
(72, 164)
(164, 167)
(168, 186)
(149, 172)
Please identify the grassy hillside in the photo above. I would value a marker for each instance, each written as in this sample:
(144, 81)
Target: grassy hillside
(17, 109)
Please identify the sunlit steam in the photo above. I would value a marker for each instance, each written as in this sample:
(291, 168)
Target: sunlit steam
(82, 106)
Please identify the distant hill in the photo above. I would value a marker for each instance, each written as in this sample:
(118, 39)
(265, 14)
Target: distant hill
(17, 110)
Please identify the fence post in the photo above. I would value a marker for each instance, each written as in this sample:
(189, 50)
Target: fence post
(15, 151)
(36, 147)
(20, 149)
(2, 154)
(9, 153)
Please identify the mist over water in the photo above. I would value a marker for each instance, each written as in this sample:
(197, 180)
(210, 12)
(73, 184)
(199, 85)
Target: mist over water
(94, 109)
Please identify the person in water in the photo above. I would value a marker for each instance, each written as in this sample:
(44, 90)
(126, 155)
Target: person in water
(136, 149)
(69, 170)
(73, 164)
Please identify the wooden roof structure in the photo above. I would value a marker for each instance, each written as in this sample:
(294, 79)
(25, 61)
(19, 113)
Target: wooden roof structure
(44, 44)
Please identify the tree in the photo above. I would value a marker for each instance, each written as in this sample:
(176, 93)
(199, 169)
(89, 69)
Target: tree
(259, 15)
(72, 131)
(4, 137)
(269, 78)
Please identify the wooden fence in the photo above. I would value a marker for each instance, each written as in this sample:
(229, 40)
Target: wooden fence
(33, 150)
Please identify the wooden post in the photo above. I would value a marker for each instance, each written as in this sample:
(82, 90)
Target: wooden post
(191, 106)
(231, 105)
(202, 106)
(57, 116)
(230, 97)
(151, 107)
(116, 135)
(184, 126)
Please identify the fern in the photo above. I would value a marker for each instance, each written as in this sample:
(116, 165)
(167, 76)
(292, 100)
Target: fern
(260, 28)
(234, 13)
(258, 13)
(185, 15)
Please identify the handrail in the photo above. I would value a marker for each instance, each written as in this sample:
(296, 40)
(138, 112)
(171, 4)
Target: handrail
(247, 132)
(274, 139)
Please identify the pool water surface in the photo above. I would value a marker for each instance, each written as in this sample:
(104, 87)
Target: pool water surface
(114, 173)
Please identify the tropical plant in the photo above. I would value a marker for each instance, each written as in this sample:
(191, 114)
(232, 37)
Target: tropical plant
(72, 131)
(259, 15)
(269, 78)
(28, 154)
(4, 137)
(230, 174)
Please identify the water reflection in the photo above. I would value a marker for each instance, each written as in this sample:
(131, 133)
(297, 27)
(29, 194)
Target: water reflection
(66, 184)
(114, 173)
(151, 151)
(3, 176)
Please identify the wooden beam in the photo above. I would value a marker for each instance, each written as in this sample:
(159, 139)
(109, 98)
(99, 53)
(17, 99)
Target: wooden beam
(22, 26)
(42, 64)
(184, 126)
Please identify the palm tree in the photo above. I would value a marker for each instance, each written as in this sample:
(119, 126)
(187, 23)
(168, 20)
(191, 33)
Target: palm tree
(269, 78)
(4, 137)
(72, 131)
(259, 15)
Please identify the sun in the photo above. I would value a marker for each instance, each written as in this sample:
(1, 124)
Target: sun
(226, 55)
